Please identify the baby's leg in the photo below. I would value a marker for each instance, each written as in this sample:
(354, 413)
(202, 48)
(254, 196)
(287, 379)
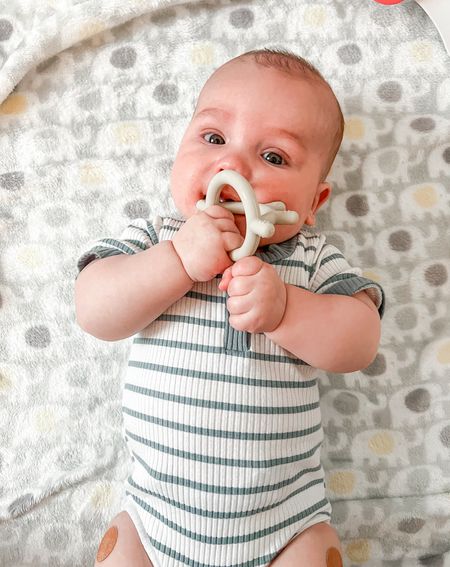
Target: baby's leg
(318, 546)
(121, 546)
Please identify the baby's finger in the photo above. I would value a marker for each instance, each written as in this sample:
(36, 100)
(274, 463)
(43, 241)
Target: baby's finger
(232, 240)
(226, 225)
(225, 281)
(239, 304)
(218, 212)
(247, 266)
(240, 285)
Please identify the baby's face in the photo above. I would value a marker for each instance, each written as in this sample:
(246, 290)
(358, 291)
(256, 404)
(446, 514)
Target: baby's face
(268, 126)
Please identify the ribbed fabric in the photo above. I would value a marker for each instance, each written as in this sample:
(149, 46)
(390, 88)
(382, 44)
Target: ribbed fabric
(223, 427)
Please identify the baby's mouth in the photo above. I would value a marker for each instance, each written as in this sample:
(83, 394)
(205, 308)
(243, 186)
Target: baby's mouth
(228, 194)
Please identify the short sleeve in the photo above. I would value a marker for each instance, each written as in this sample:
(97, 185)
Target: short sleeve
(138, 236)
(331, 273)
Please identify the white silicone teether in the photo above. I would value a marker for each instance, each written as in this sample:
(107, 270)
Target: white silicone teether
(260, 218)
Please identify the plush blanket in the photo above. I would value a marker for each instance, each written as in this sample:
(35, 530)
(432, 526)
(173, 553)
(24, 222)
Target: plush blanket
(95, 96)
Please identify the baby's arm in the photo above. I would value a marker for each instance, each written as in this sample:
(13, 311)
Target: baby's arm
(120, 295)
(337, 333)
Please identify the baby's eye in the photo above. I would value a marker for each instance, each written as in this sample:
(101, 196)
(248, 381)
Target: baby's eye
(275, 158)
(213, 138)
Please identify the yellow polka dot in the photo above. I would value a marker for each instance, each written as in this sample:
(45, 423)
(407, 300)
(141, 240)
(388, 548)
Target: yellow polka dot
(372, 275)
(5, 382)
(443, 353)
(127, 134)
(90, 174)
(202, 55)
(358, 551)
(382, 443)
(341, 482)
(426, 196)
(45, 421)
(14, 104)
(102, 496)
(88, 29)
(421, 51)
(354, 129)
(30, 256)
(314, 16)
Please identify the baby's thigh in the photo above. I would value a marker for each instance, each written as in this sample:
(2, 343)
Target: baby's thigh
(121, 545)
(318, 546)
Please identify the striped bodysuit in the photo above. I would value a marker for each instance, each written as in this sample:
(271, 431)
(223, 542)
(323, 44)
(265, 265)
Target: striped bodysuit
(224, 427)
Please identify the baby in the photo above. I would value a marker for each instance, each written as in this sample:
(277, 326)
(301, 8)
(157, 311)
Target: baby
(220, 404)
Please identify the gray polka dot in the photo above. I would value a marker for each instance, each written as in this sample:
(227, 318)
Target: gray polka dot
(94, 402)
(423, 124)
(6, 29)
(432, 561)
(346, 403)
(419, 480)
(77, 376)
(446, 155)
(137, 209)
(349, 54)
(57, 217)
(406, 319)
(242, 18)
(357, 205)
(445, 436)
(21, 505)
(90, 100)
(123, 58)
(377, 367)
(418, 400)
(337, 241)
(12, 181)
(166, 93)
(436, 275)
(400, 241)
(411, 525)
(38, 337)
(390, 91)
(57, 538)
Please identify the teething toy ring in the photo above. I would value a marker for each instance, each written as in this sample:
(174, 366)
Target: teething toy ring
(260, 219)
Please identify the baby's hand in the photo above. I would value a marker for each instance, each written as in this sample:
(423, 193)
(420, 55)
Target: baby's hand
(204, 241)
(257, 295)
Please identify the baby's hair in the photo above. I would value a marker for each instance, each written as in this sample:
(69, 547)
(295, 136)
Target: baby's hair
(293, 64)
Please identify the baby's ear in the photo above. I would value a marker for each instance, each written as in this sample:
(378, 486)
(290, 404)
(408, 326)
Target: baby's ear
(322, 195)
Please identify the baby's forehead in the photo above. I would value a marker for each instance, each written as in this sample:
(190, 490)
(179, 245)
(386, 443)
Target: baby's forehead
(321, 108)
